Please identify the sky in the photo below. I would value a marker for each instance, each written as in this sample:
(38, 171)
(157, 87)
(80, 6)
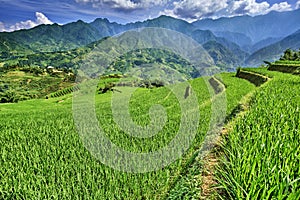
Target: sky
(25, 14)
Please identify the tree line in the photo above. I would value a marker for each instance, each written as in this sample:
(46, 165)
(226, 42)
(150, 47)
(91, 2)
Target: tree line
(292, 55)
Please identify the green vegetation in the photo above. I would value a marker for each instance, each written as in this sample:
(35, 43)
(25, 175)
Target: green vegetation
(288, 63)
(49, 160)
(56, 38)
(254, 78)
(236, 89)
(23, 83)
(261, 153)
(37, 75)
(47, 38)
(43, 156)
(142, 57)
(290, 55)
(223, 57)
(65, 91)
(188, 184)
(67, 60)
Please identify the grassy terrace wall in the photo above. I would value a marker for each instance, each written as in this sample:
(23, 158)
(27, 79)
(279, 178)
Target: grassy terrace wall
(64, 92)
(254, 78)
(216, 85)
(286, 68)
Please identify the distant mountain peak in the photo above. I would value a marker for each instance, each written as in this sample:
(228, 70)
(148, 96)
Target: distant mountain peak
(80, 21)
(274, 24)
(297, 32)
(165, 17)
(229, 40)
(102, 20)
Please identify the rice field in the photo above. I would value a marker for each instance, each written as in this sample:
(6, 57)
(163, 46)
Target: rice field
(262, 151)
(43, 157)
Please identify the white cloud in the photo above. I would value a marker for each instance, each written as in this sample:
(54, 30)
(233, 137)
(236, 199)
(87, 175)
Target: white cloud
(283, 6)
(298, 4)
(199, 8)
(196, 9)
(124, 4)
(252, 7)
(2, 27)
(40, 19)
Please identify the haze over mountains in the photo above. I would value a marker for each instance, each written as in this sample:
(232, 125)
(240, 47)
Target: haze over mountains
(231, 42)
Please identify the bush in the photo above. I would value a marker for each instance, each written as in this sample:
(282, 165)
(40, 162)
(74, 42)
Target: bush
(9, 96)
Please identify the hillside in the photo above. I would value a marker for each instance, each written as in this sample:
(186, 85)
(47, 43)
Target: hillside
(244, 41)
(273, 24)
(24, 83)
(222, 56)
(53, 38)
(47, 128)
(147, 52)
(51, 159)
(249, 39)
(161, 109)
(273, 52)
(142, 57)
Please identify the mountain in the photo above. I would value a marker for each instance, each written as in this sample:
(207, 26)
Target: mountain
(203, 36)
(64, 37)
(221, 55)
(165, 22)
(134, 41)
(107, 28)
(235, 49)
(244, 38)
(10, 48)
(51, 38)
(274, 51)
(273, 24)
(263, 43)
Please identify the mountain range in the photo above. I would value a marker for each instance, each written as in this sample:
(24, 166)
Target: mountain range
(231, 42)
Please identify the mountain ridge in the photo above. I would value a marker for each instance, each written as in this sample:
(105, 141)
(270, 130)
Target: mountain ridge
(258, 27)
(230, 33)
(45, 38)
(274, 51)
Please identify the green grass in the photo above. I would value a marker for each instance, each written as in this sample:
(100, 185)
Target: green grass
(262, 156)
(188, 185)
(43, 156)
(236, 88)
(287, 62)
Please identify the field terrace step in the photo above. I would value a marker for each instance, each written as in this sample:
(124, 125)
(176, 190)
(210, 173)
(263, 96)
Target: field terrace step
(256, 79)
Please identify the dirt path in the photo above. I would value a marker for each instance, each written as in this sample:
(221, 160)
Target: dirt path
(212, 159)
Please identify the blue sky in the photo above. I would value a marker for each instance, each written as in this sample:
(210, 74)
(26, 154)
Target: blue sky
(18, 14)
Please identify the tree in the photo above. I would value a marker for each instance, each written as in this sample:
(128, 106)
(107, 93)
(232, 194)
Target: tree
(288, 55)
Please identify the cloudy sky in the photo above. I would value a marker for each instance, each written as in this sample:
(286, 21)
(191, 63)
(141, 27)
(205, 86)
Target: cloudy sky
(19, 14)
